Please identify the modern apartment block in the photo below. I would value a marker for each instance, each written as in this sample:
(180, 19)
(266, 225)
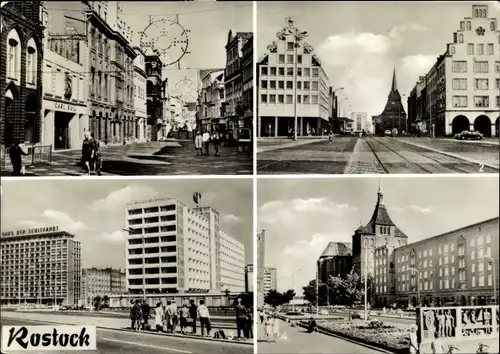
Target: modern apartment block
(101, 282)
(462, 87)
(278, 72)
(41, 265)
(172, 248)
(270, 281)
(249, 284)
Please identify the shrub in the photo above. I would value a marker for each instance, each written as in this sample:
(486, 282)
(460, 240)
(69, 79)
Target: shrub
(376, 324)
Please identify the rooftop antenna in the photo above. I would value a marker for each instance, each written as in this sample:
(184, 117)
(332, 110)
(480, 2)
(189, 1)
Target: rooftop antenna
(197, 198)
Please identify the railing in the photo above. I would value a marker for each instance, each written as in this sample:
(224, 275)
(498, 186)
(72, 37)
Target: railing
(36, 154)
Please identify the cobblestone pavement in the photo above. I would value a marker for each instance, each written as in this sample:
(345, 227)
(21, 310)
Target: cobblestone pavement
(374, 155)
(296, 340)
(154, 158)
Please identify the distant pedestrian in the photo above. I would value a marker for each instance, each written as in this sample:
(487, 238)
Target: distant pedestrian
(204, 318)
(268, 324)
(241, 318)
(184, 316)
(159, 317)
(136, 315)
(88, 151)
(249, 326)
(216, 142)
(413, 341)
(261, 315)
(169, 315)
(198, 143)
(206, 141)
(276, 328)
(193, 313)
(146, 313)
(16, 154)
(97, 160)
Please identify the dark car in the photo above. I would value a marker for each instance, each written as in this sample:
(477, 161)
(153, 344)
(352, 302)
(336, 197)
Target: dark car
(469, 135)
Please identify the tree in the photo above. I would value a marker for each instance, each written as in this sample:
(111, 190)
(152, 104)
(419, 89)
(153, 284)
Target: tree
(310, 292)
(273, 298)
(96, 302)
(346, 291)
(105, 300)
(287, 296)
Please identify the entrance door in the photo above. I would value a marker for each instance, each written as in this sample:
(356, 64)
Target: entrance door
(61, 131)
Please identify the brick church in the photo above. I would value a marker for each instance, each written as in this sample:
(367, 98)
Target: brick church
(394, 115)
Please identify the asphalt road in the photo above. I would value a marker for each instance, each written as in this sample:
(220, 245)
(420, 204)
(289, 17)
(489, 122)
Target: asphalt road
(379, 155)
(296, 340)
(120, 342)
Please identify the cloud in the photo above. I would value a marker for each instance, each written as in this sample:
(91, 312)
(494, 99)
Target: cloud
(54, 217)
(416, 65)
(230, 218)
(412, 208)
(117, 236)
(396, 32)
(118, 199)
(311, 249)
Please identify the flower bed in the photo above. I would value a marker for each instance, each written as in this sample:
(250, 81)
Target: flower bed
(375, 333)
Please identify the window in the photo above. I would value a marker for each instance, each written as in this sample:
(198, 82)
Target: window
(263, 98)
(272, 84)
(498, 101)
(459, 66)
(481, 101)
(315, 85)
(31, 62)
(289, 59)
(492, 26)
(315, 72)
(490, 49)
(490, 280)
(272, 98)
(299, 99)
(289, 85)
(459, 101)
(299, 59)
(92, 81)
(470, 49)
(307, 85)
(306, 99)
(480, 49)
(481, 267)
(263, 70)
(481, 280)
(299, 71)
(14, 56)
(307, 72)
(273, 71)
(473, 280)
(497, 66)
(281, 85)
(299, 85)
(481, 67)
(462, 25)
(281, 99)
(263, 84)
(488, 236)
(281, 58)
(289, 71)
(281, 71)
(497, 84)
(289, 46)
(314, 99)
(289, 99)
(479, 240)
(468, 26)
(481, 84)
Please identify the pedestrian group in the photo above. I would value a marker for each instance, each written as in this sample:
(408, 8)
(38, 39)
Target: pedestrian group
(202, 142)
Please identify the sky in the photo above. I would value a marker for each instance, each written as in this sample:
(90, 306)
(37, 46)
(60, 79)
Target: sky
(360, 44)
(301, 216)
(94, 210)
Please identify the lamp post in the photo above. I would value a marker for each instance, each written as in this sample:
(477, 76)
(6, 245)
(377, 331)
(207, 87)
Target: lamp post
(494, 276)
(293, 285)
(366, 280)
(336, 105)
(418, 284)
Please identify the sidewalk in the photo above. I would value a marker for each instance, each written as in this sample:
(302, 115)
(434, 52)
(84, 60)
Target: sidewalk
(270, 144)
(121, 324)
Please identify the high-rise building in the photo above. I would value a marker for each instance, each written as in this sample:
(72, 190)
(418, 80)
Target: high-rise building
(21, 67)
(462, 87)
(278, 71)
(102, 282)
(249, 271)
(394, 115)
(40, 265)
(173, 248)
(270, 281)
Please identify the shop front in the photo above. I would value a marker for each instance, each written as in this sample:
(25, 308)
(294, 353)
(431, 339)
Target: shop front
(64, 124)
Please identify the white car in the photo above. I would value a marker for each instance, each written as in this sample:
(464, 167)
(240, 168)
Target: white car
(388, 132)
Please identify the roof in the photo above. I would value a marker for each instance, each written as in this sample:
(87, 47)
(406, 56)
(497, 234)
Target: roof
(337, 249)
(393, 105)
(380, 217)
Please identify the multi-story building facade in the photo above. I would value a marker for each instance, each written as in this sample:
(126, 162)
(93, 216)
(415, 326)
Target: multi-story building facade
(335, 261)
(40, 265)
(173, 248)
(211, 99)
(361, 122)
(111, 100)
(261, 259)
(463, 85)
(457, 267)
(233, 80)
(247, 82)
(249, 271)
(417, 115)
(102, 282)
(270, 281)
(140, 79)
(284, 66)
(155, 93)
(21, 61)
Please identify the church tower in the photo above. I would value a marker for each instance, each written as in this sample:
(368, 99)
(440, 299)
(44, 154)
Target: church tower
(394, 115)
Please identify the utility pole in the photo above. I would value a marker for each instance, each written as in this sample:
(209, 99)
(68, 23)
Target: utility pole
(366, 279)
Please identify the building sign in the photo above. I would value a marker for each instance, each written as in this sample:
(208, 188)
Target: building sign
(64, 107)
(39, 230)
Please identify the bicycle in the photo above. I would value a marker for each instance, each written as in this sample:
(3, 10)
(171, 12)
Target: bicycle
(480, 349)
(451, 348)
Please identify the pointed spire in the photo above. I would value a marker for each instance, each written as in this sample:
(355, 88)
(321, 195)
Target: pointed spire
(394, 86)
(380, 192)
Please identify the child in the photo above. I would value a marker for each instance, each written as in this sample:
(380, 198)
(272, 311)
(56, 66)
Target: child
(269, 328)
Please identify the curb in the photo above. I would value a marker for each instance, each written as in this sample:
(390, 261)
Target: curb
(148, 333)
(369, 346)
(449, 154)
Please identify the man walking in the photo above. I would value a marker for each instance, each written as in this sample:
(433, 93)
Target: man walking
(241, 318)
(146, 310)
(193, 313)
(204, 318)
(206, 141)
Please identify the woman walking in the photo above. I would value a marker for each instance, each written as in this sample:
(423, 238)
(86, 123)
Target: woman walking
(276, 328)
(88, 151)
(269, 328)
(159, 317)
(198, 143)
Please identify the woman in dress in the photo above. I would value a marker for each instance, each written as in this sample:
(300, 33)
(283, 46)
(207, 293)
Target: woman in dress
(276, 328)
(198, 143)
(159, 317)
(269, 328)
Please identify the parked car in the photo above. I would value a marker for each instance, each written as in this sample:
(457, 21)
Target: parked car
(388, 133)
(323, 312)
(469, 135)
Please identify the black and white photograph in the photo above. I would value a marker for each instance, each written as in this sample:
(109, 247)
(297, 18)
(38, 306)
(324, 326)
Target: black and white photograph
(369, 265)
(126, 88)
(160, 266)
(379, 87)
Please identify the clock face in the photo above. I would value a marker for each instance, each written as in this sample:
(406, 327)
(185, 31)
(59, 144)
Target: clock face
(186, 90)
(168, 37)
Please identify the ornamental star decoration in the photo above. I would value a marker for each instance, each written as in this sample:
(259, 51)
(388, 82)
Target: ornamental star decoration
(480, 31)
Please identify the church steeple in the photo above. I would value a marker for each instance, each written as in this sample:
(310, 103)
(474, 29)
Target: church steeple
(380, 193)
(394, 86)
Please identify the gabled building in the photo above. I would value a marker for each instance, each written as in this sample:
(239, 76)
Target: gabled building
(335, 261)
(140, 79)
(21, 60)
(393, 115)
(210, 102)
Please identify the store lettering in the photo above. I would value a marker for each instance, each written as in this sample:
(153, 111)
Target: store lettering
(39, 230)
(65, 107)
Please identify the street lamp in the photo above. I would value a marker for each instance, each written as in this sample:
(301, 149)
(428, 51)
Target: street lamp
(494, 276)
(298, 36)
(143, 265)
(418, 283)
